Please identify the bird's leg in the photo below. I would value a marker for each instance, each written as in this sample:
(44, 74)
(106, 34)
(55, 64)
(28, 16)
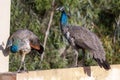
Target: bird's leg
(83, 58)
(23, 62)
(63, 55)
(76, 58)
(22, 65)
(25, 69)
(72, 42)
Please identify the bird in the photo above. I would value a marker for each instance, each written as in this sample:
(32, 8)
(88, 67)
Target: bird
(82, 38)
(23, 41)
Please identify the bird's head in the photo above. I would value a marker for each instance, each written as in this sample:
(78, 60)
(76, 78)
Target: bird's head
(64, 16)
(61, 9)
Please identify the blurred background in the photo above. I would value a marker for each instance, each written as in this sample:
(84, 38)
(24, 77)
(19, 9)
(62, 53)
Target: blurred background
(100, 16)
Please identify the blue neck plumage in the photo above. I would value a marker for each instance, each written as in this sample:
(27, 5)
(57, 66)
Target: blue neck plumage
(63, 19)
(14, 48)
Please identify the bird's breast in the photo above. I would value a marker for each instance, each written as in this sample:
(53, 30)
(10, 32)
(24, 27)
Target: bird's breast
(67, 35)
(25, 46)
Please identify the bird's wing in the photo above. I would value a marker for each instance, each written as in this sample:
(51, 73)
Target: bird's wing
(34, 41)
(87, 40)
(83, 37)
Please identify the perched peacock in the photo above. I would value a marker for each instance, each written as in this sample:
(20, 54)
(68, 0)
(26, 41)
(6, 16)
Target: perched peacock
(23, 41)
(82, 38)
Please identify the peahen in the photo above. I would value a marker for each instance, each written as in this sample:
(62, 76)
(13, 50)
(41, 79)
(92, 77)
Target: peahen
(23, 41)
(82, 38)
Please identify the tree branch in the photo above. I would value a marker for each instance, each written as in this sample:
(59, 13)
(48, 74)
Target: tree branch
(49, 25)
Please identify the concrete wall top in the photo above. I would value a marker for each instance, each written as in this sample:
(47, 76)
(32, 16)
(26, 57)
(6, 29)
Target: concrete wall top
(79, 73)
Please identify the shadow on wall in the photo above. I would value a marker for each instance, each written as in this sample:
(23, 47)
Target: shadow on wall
(5, 51)
(87, 70)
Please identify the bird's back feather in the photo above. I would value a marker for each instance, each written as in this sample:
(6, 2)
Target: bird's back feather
(86, 39)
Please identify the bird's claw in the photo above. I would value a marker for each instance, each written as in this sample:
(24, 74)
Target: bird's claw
(21, 71)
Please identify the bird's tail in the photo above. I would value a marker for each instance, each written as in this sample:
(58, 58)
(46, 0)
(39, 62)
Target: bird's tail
(103, 63)
(41, 49)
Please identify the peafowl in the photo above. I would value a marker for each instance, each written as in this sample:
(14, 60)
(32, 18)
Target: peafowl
(23, 41)
(82, 38)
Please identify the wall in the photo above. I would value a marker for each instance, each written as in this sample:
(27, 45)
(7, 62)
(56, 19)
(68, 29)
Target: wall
(4, 33)
(79, 73)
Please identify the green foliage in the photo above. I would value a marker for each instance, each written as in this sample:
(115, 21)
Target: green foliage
(100, 16)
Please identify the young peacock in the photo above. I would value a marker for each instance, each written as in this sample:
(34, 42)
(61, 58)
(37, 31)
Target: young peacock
(82, 38)
(23, 41)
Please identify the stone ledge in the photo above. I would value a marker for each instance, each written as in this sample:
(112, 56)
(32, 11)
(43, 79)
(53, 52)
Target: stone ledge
(79, 73)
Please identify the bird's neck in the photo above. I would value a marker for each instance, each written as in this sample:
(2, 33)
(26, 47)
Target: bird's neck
(63, 19)
(14, 48)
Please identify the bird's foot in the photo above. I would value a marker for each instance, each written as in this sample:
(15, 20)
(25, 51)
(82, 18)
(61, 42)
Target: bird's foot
(78, 65)
(73, 65)
(81, 63)
(22, 70)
